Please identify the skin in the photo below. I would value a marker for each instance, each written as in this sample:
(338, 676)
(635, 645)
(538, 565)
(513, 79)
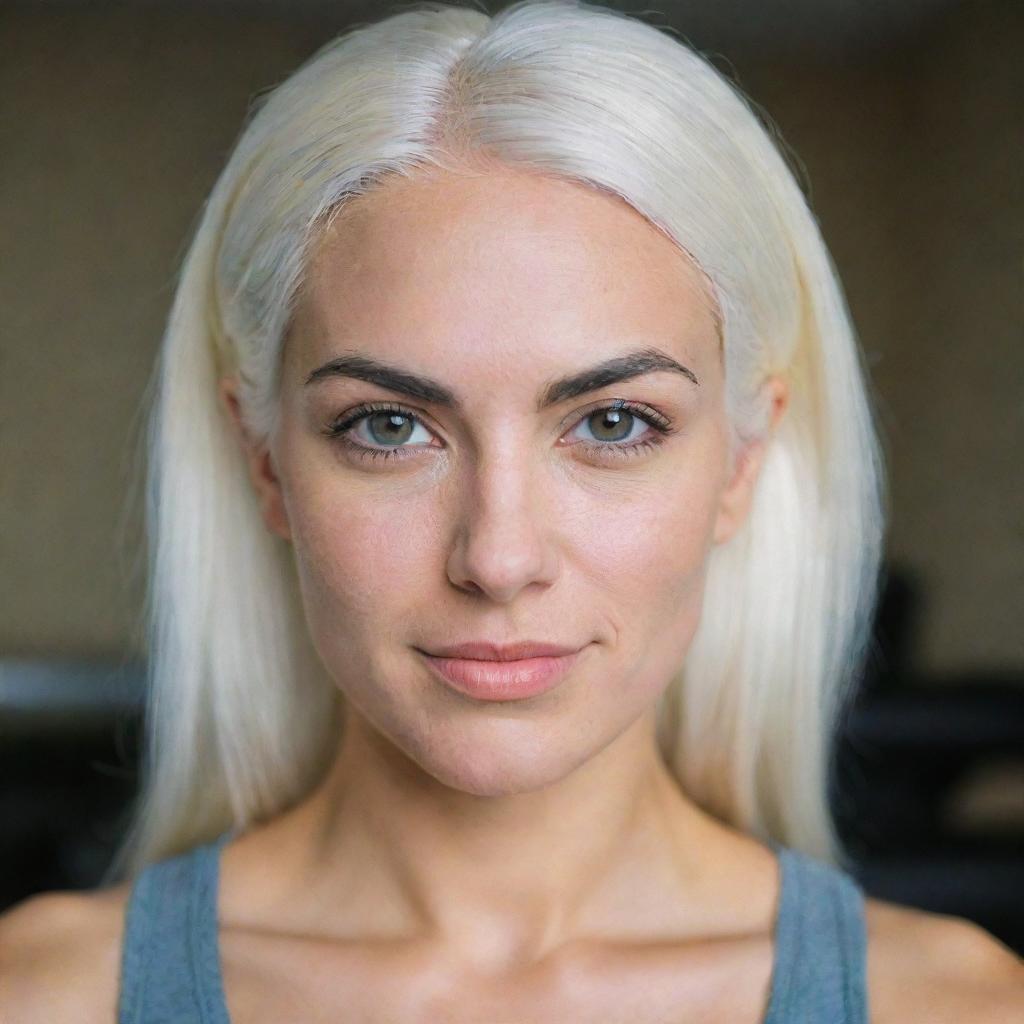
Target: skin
(526, 861)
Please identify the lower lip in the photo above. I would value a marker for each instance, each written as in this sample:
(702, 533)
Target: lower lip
(503, 680)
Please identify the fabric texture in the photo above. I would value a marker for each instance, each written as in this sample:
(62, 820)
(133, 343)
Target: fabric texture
(171, 971)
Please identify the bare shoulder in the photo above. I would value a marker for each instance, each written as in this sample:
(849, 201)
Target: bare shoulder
(60, 957)
(938, 969)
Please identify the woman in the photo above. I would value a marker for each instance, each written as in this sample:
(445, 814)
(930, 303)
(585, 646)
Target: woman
(516, 527)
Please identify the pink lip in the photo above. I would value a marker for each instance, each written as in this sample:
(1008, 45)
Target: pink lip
(494, 680)
(484, 650)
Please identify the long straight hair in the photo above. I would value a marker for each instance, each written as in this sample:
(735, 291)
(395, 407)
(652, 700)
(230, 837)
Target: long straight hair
(242, 718)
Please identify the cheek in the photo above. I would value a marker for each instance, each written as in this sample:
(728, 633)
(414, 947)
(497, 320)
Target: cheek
(649, 534)
(652, 538)
(360, 557)
(644, 551)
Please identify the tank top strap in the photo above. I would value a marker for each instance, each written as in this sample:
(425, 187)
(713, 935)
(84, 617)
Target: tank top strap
(820, 944)
(170, 968)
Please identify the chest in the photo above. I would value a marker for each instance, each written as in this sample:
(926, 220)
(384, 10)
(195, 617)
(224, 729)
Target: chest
(267, 980)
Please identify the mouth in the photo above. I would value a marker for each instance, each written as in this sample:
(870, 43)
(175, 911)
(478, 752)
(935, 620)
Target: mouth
(503, 680)
(485, 650)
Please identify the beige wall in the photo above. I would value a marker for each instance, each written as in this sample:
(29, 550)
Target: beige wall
(116, 123)
(955, 376)
(915, 159)
(119, 122)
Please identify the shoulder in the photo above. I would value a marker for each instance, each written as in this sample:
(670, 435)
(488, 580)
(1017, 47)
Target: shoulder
(923, 966)
(60, 956)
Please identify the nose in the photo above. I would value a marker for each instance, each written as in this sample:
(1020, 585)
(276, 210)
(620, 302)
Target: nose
(503, 539)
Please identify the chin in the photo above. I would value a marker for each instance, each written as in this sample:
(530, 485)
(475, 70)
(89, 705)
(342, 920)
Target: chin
(497, 764)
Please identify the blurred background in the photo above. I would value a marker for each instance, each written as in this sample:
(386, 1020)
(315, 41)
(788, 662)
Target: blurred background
(904, 122)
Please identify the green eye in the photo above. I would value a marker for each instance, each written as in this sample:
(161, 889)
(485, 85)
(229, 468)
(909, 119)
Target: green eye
(609, 424)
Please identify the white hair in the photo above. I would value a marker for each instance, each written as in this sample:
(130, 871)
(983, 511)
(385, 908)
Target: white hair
(242, 718)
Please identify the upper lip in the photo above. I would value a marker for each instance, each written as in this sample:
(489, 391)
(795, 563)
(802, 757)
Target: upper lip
(482, 650)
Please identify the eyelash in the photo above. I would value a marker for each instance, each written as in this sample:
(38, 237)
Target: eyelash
(661, 426)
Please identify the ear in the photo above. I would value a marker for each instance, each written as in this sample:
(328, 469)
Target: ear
(737, 497)
(259, 460)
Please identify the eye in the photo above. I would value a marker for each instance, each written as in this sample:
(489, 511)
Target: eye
(613, 423)
(384, 423)
(390, 426)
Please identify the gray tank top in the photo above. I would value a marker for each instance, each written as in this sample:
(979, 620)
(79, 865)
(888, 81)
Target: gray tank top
(171, 971)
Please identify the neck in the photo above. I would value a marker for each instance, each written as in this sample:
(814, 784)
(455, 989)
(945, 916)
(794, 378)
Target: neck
(612, 848)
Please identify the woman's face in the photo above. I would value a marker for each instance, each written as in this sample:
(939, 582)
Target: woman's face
(498, 517)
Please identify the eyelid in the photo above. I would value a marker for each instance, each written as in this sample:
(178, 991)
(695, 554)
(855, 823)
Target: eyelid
(363, 410)
(628, 404)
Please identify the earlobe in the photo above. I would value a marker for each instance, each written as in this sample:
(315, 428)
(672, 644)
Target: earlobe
(272, 496)
(259, 461)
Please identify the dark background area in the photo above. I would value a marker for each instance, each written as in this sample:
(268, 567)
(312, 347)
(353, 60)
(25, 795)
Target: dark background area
(903, 121)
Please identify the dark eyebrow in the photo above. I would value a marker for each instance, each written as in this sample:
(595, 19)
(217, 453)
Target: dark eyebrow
(624, 367)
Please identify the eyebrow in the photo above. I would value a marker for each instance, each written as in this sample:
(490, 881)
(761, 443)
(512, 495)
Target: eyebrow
(611, 371)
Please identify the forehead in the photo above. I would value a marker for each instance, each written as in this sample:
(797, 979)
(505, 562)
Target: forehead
(497, 268)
